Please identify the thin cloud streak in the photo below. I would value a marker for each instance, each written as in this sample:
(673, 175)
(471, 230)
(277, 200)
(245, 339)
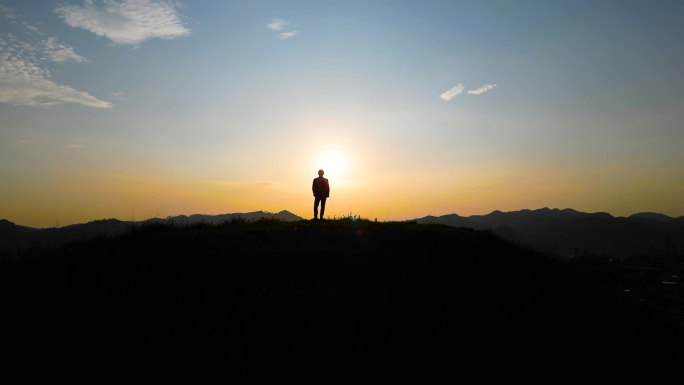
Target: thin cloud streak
(288, 35)
(23, 83)
(9, 14)
(127, 21)
(277, 24)
(16, 19)
(61, 52)
(452, 92)
(482, 90)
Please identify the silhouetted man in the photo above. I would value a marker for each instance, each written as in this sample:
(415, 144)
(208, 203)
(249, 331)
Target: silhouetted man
(321, 191)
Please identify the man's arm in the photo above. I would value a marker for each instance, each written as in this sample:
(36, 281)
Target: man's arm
(327, 188)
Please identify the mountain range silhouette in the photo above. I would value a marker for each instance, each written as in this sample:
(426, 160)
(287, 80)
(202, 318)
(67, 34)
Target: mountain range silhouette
(564, 233)
(569, 233)
(18, 239)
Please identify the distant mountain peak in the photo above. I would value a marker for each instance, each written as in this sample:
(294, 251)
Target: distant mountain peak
(652, 216)
(11, 226)
(106, 220)
(454, 215)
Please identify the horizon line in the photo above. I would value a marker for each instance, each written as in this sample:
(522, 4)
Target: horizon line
(132, 220)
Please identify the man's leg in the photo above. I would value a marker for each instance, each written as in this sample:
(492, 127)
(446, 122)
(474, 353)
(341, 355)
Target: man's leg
(322, 207)
(316, 201)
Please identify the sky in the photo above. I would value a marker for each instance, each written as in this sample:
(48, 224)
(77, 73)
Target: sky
(141, 108)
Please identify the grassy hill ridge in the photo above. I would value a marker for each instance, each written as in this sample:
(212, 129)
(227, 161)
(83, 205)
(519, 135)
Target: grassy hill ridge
(396, 295)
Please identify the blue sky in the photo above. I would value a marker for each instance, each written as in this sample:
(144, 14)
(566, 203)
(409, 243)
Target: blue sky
(552, 103)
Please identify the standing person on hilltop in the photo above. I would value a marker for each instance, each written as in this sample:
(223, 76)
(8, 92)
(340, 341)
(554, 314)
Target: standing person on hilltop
(321, 192)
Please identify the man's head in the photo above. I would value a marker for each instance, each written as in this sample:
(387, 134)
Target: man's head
(320, 172)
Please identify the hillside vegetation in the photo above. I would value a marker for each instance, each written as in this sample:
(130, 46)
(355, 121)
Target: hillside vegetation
(372, 295)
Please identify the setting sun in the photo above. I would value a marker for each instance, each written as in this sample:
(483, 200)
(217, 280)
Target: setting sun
(333, 162)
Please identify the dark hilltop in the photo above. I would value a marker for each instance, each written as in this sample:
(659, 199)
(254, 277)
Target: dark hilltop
(348, 293)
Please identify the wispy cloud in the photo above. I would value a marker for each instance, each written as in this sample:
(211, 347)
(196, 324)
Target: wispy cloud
(75, 146)
(32, 27)
(459, 88)
(482, 90)
(25, 82)
(9, 14)
(126, 21)
(48, 49)
(452, 92)
(24, 79)
(277, 24)
(287, 35)
(16, 19)
(60, 52)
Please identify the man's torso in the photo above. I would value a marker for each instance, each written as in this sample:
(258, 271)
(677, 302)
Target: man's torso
(320, 187)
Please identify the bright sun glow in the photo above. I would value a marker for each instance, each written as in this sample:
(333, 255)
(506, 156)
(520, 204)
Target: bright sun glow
(333, 162)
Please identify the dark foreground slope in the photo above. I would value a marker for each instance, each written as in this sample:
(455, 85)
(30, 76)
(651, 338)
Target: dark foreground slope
(354, 294)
